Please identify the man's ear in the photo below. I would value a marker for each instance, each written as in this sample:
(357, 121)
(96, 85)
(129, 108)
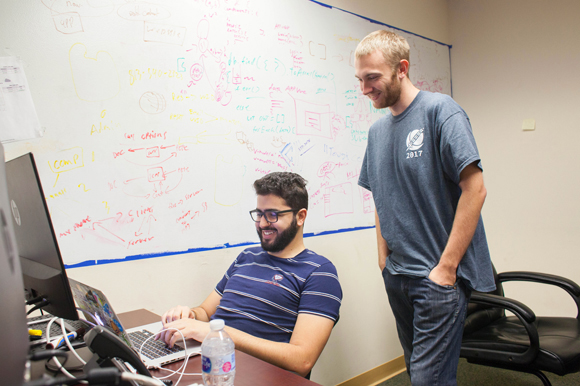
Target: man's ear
(403, 70)
(301, 216)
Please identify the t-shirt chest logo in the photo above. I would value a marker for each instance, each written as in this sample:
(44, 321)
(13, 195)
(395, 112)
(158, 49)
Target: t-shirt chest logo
(415, 140)
(276, 279)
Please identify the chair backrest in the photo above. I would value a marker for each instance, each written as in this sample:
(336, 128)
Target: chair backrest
(479, 315)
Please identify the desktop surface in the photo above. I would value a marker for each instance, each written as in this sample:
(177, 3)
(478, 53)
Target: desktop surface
(250, 371)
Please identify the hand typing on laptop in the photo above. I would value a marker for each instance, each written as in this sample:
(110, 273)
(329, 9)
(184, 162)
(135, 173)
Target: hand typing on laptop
(183, 319)
(279, 301)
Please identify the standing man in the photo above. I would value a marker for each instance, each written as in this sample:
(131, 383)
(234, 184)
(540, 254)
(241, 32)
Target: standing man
(279, 301)
(423, 168)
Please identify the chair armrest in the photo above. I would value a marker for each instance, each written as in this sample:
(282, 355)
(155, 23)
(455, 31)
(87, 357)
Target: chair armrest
(526, 317)
(522, 311)
(566, 284)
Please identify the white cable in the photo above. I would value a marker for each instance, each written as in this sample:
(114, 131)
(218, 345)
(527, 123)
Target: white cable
(59, 365)
(48, 326)
(142, 379)
(70, 347)
(174, 372)
(181, 370)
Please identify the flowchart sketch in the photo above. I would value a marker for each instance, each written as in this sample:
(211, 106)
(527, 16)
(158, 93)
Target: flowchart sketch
(313, 119)
(68, 23)
(338, 199)
(66, 160)
(163, 33)
(143, 12)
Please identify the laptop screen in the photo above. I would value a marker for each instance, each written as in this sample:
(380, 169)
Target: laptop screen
(98, 309)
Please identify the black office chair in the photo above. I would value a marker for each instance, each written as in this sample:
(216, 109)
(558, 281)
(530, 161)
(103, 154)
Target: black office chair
(524, 342)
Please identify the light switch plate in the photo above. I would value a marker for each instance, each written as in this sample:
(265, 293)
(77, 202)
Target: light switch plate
(529, 125)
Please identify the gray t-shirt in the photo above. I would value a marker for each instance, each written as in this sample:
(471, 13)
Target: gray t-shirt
(412, 166)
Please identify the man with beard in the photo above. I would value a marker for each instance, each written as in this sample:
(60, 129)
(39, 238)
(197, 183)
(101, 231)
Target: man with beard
(423, 168)
(279, 301)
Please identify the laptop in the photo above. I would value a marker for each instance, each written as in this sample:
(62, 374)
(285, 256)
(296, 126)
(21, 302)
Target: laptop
(154, 354)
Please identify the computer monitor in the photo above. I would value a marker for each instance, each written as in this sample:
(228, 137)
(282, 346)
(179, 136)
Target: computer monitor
(13, 330)
(43, 271)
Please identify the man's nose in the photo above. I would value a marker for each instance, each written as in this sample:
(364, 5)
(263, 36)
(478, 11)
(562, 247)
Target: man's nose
(264, 222)
(365, 87)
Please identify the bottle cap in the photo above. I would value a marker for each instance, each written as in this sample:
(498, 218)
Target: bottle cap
(217, 324)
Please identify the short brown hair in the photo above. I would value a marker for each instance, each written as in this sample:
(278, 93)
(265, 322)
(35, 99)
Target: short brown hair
(394, 47)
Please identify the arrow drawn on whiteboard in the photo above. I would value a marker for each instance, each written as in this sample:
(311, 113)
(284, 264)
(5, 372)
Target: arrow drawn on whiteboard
(167, 190)
(211, 120)
(125, 187)
(148, 221)
(132, 179)
(135, 195)
(173, 154)
(106, 230)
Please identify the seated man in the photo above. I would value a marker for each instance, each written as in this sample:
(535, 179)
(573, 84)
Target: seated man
(279, 301)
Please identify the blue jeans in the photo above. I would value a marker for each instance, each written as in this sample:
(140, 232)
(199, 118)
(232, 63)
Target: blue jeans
(430, 322)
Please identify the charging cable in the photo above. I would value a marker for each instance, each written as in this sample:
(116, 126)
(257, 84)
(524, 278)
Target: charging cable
(43, 303)
(59, 365)
(181, 370)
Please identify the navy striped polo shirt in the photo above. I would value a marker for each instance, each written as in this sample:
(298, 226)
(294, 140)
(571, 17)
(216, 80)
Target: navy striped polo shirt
(262, 294)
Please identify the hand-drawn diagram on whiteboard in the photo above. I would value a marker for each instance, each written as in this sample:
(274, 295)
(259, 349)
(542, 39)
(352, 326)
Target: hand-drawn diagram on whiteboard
(160, 116)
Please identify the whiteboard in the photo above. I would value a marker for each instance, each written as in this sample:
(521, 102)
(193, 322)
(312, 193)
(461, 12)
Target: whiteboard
(158, 117)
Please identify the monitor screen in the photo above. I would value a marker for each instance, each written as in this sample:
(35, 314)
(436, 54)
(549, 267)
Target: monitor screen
(43, 271)
(14, 333)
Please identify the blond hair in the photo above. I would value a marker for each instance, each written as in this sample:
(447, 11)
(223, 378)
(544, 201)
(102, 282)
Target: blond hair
(394, 47)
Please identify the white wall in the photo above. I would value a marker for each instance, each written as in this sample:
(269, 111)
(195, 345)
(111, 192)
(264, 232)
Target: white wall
(365, 336)
(513, 60)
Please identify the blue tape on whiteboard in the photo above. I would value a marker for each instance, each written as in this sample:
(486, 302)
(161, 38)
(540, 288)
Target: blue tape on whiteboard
(380, 23)
(89, 263)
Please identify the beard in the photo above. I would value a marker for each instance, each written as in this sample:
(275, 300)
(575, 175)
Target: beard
(391, 94)
(282, 240)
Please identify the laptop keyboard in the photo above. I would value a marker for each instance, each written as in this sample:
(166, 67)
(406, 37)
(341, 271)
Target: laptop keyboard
(152, 349)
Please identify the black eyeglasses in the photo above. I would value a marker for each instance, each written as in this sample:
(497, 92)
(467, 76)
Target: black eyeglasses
(271, 215)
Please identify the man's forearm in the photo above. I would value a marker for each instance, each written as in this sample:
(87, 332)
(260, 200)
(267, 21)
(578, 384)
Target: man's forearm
(284, 355)
(464, 225)
(307, 342)
(466, 219)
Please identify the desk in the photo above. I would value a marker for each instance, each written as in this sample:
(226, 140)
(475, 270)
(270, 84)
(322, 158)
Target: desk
(250, 371)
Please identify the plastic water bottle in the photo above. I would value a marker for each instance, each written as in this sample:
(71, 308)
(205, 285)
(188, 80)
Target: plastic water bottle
(218, 361)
